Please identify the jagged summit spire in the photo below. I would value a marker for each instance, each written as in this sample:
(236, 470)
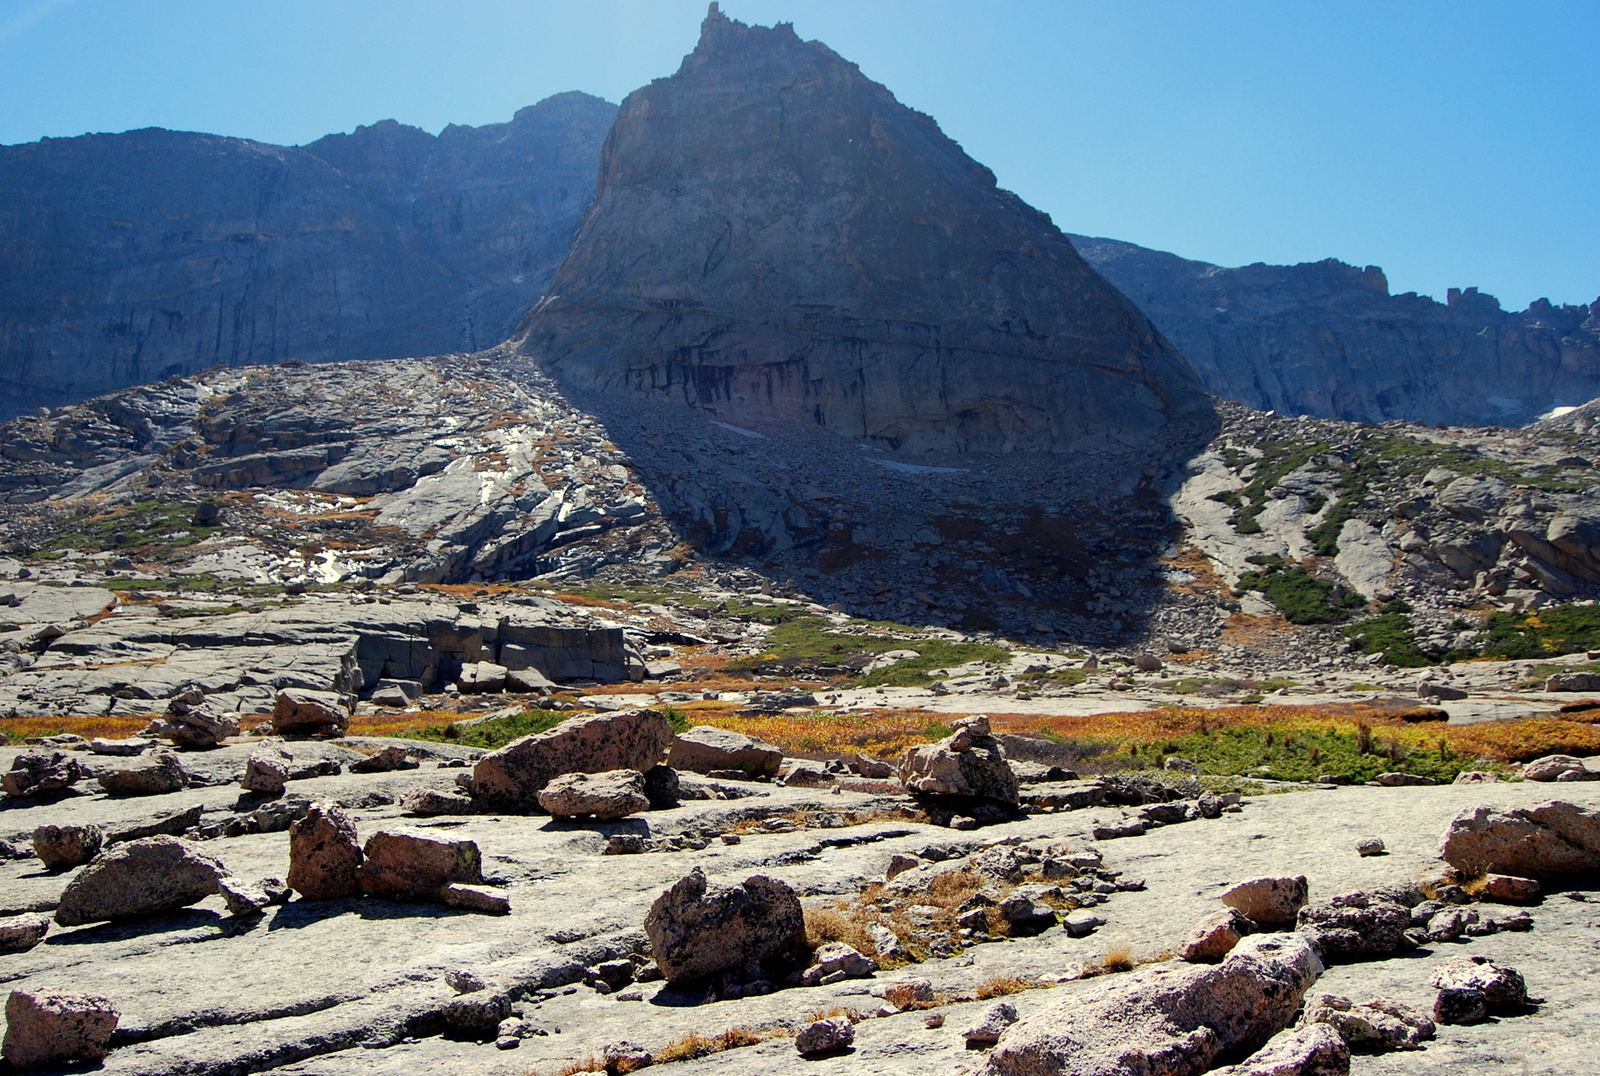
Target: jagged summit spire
(722, 36)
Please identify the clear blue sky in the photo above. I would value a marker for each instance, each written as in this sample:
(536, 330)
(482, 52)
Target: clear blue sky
(1453, 143)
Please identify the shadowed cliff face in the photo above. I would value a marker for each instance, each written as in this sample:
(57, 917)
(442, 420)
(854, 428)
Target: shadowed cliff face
(775, 236)
(1327, 339)
(133, 257)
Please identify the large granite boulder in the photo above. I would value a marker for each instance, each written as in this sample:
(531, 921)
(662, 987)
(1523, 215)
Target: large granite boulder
(41, 773)
(66, 846)
(150, 876)
(603, 796)
(703, 749)
(967, 764)
(46, 1029)
(303, 712)
(324, 854)
(1272, 902)
(415, 867)
(1172, 1019)
(776, 237)
(153, 773)
(1358, 925)
(512, 777)
(698, 931)
(1552, 840)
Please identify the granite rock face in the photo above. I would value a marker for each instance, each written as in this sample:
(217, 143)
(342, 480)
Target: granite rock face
(1327, 339)
(775, 237)
(134, 257)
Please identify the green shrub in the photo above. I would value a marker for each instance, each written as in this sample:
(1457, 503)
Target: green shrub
(1547, 633)
(1299, 595)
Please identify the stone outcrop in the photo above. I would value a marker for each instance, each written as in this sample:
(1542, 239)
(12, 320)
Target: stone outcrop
(46, 1029)
(324, 855)
(1357, 925)
(1170, 1019)
(1552, 840)
(703, 749)
(602, 796)
(387, 241)
(150, 876)
(1375, 1026)
(414, 867)
(698, 931)
(62, 847)
(627, 740)
(968, 764)
(775, 237)
(1313, 1050)
(1327, 339)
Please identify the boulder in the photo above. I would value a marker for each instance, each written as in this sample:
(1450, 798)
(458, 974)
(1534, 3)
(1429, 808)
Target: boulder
(1272, 902)
(1376, 1026)
(1311, 1050)
(41, 773)
(1357, 926)
(150, 876)
(1503, 988)
(1573, 681)
(1509, 889)
(1371, 846)
(481, 677)
(626, 740)
(993, 1023)
(385, 760)
(266, 771)
(1477, 777)
(303, 712)
(605, 796)
(662, 787)
(154, 773)
(45, 1029)
(1214, 937)
(967, 764)
(167, 823)
(836, 962)
(192, 722)
(1171, 1019)
(1557, 768)
(825, 1036)
(434, 801)
(698, 931)
(414, 867)
(1459, 1005)
(703, 749)
(324, 855)
(1551, 841)
(396, 694)
(64, 847)
(19, 933)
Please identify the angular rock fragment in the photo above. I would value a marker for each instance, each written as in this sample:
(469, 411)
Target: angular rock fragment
(1558, 768)
(626, 740)
(1375, 1026)
(967, 764)
(1550, 841)
(413, 867)
(703, 749)
(993, 1023)
(324, 855)
(835, 962)
(1357, 926)
(698, 931)
(192, 722)
(266, 771)
(168, 823)
(604, 796)
(19, 933)
(64, 847)
(1214, 937)
(385, 760)
(1312, 1050)
(46, 1029)
(825, 1036)
(1460, 1005)
(150, 876)
(433, 801)
(1372, 846)
(1173, 1019)
(1272, 902)
(662, 787)
(41, 773)
(1509, 889)
(154, 773)
(303, 712)
(1503, 988)
(476, 898)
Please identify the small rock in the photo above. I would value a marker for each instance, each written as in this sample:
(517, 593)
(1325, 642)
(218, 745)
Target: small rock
(835, 962)
(385, 760)
(1372, 846)
(1401, 780)
(1080, 924)
(625, 1056)
(19, 933)
(933, 1021)
(476, 898)
(266, 771)
(243, 899)
(302, 712)
(1509, 889)
(604, 796)
(1214, 937)
(41, 773)
(64, 847)
(432, 801)
(413, 867)
(1476, 777)
(152, 774)
(1460, 1005)
(1272, 902)
(49, 1029)
(825, 1036)
(1503, 988)
(899, 863)
(986, 1032)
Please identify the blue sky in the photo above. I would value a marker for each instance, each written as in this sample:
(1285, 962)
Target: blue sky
(1452, 143)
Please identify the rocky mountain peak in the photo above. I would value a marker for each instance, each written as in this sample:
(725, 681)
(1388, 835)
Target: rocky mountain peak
(775, 237)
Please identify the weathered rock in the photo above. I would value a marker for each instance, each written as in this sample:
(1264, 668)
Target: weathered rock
(1357, 926)
(476, 898)
(482, 677)
(1508, 889)
(433, 801)
(413, 867)
(64, 847)
(396, 694)
(968, 764)
(1573, 681)
(825, 1036)
(1396, 779)
(478, 1012)
(197, 724)
(19, 933)
(613, 794)
(1504, 990)
(1372, 846)
(1557, 768)
(154, 773)
(1169, 1019)
(993, 1023)
(703, 749)
(243, 898)
(1311, 1050)
(167, 823)
(1460, 1005)
(266, 771)
(626, 740)
(1214, 937)
(662, 787)
(698, 931)
(150, 876)
(624, 1056)
(1476, 777)
(835, 962)
(1546, 842)
(1081, 924)
(45, 1029)
(303, 712)
(1374, 1026)
(324, 855)
(1272, 902)
(41, 773)
(385, 760)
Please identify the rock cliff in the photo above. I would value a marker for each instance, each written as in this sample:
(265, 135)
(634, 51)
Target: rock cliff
(1327, 339)
(776, 237)
(133, 257)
